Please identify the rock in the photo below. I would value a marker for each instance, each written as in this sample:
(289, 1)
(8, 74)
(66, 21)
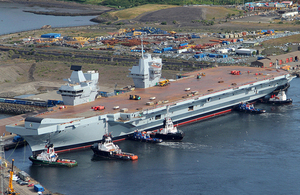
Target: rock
(46, 26)
(7, 108)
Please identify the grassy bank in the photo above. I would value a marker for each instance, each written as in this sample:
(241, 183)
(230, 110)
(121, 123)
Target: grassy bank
(131, 13)
(282, 40)
(220, 12)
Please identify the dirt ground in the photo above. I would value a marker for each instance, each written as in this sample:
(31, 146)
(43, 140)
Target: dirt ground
(63, 7)
(19, 76)
(16, 79)
(179, 15)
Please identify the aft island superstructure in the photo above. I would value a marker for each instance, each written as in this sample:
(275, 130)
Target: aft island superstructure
(147, 73)
(189, 98)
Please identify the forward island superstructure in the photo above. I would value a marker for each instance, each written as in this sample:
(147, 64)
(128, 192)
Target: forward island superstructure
(81, 87)
(189, 99)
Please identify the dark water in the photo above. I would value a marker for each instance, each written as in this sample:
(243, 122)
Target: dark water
(236, 153)
(5, 116)
(13, 19)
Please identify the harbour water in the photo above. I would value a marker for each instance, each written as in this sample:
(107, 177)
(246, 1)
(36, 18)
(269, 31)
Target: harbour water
(5, 116)
(237, 153)
(13, 19)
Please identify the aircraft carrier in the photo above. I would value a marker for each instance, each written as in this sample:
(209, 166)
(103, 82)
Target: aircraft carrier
(192, 97)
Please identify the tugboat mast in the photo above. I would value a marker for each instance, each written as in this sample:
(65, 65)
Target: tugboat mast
(106, 127)
(168, 107)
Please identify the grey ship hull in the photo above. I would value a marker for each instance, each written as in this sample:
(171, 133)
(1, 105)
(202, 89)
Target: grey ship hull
(85, 131)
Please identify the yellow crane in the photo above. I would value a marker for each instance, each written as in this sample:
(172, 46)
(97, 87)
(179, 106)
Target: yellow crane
(10, 189)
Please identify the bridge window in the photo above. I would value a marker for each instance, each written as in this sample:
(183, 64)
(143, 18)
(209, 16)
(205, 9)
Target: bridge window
(191, 108)
(158, 117)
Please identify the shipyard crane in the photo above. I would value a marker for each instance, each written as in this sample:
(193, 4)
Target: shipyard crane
(10, 190)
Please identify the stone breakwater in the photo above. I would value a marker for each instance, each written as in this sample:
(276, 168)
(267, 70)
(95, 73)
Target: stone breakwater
(16, 109)
(295, 73)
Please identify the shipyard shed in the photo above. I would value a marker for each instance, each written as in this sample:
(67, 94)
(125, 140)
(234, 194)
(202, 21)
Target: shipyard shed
(291, 58)
(243, 51)
(51, 35)
(250, 43)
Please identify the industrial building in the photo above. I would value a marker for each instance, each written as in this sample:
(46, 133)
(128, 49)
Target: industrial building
(291, 59)
(51, 35)
(248, 52)
(250, 43)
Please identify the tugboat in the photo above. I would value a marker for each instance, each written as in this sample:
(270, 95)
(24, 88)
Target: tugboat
(169, 132)
(243, 107)
(107, 149)
(280, 98)
(145, 137)
(50, 158)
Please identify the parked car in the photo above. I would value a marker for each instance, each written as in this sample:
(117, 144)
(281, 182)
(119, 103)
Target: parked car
(21, 182)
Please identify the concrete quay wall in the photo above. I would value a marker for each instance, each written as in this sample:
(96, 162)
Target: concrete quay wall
(22, 189)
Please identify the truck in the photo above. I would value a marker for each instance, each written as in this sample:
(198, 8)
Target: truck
(167, 49)
(164, 83)
(98, 108)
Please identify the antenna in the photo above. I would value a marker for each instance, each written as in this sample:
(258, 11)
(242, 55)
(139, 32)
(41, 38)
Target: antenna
(106, 127)
(168, 107)
(49, 139)
(142, 44)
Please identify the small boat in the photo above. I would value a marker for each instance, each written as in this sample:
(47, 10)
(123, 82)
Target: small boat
(107, 149)
(145, 137)
(169, 132)
(16, 142)
(243, 107)
(280, 98)
(50, 158)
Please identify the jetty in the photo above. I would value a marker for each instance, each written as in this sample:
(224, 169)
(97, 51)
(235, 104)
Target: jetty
(6, 167)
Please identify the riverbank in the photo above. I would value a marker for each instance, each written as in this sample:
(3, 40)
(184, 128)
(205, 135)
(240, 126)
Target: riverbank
(62, 8)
